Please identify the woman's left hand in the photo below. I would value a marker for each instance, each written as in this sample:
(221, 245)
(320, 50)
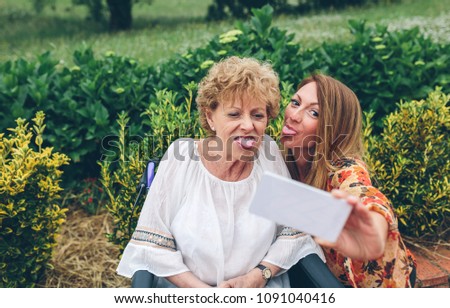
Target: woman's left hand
(364, 234)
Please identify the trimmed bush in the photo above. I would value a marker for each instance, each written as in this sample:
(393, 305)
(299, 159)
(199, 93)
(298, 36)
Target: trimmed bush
(255, 38)
(380, 66)
(29, 212)
(411, 160)
(81, 102)
(384, 67)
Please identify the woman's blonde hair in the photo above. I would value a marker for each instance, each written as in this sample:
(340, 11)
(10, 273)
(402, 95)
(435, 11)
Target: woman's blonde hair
(339, 130)
(231, 79)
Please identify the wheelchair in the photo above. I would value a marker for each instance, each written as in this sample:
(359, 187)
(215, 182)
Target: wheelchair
(309, 272)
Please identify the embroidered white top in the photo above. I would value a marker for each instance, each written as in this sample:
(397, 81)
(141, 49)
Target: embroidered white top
(194, 221)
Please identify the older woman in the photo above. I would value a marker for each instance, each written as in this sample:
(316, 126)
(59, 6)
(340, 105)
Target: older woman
(195, 229)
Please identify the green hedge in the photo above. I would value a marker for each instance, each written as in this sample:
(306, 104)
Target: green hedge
(82, 102)
(381, 67)
(384, 67)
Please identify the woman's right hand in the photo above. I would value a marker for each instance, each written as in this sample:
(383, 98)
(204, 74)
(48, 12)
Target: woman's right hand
(364, 235)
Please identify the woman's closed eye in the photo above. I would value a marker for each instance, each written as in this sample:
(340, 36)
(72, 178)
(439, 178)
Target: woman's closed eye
(234, 114)
(259, 115)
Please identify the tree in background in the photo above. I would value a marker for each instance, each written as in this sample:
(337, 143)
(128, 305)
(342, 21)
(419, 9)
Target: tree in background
(120, 17)
(120, 11)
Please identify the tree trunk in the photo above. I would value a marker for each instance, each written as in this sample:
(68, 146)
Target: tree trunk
(120, 14)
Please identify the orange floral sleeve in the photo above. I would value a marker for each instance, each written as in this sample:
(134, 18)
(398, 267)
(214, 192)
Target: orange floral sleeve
(394, 267)
(352, 177)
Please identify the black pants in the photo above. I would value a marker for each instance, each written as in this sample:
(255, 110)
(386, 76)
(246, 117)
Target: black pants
(311, 272)
(412, 277)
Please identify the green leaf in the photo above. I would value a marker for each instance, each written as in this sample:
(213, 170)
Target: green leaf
(101, 114)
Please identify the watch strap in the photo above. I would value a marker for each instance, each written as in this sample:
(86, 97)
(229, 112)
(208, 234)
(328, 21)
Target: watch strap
(261, 267)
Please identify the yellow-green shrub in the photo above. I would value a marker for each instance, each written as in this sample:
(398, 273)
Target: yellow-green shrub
(30, 216)
(411, 160)
(120, 178)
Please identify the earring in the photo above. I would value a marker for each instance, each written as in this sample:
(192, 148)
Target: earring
(213, 129)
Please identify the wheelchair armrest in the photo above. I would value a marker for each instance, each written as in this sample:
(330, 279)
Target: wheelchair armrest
(312, 272)
(142, 279)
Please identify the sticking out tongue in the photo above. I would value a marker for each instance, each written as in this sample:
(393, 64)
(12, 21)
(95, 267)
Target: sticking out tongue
(288, 131)
(247, 143)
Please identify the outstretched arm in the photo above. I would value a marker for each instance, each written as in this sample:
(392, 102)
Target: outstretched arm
(365, 233)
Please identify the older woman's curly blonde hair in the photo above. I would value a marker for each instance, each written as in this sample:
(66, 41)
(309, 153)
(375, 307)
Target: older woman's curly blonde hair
(233, 78)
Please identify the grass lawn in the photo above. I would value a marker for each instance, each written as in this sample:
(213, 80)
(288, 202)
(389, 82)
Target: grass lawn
(172, 26)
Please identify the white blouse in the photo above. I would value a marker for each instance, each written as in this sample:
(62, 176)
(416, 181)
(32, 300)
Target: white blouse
(194, 221)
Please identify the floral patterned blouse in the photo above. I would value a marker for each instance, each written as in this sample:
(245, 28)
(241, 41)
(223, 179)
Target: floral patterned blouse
(395, 266)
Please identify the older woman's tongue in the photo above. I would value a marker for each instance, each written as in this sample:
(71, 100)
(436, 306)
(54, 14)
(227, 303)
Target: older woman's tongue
(246, 142)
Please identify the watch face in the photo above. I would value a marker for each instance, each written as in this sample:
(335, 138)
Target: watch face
(267, 274)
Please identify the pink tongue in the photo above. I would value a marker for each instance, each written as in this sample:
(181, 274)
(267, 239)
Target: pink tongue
(247, 143)
(288, 131)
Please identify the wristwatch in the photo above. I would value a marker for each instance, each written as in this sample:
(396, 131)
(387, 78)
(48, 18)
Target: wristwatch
(266, 272)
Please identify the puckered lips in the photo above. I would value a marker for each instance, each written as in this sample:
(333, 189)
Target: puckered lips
(288, 131)
(246, 142)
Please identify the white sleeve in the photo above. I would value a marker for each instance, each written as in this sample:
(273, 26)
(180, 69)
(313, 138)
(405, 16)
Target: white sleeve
(152, 246)
(290, 245)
